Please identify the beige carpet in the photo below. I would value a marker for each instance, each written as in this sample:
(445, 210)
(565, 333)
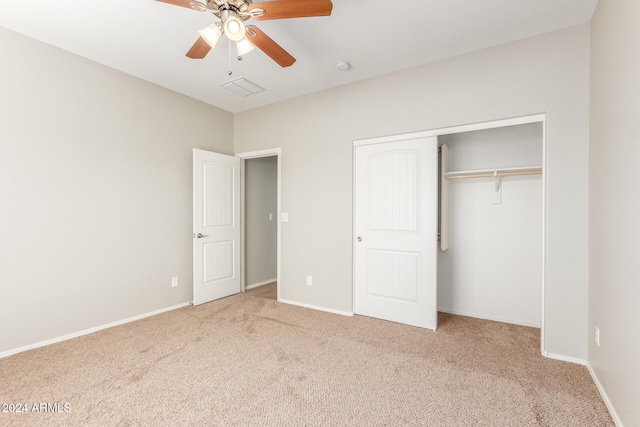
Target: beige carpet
(246, 360)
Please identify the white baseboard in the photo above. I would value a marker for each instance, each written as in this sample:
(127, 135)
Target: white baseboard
(89, 331)
(255, 285)
(315, 307)
(564, 358)
(495, 319)
(604, 396)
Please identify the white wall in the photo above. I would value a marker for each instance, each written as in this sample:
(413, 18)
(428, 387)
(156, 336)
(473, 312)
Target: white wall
(545, 74)
(261, 199)
(614, 208)
(493, 268)
(95, 192)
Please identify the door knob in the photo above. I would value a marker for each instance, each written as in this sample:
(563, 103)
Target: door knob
(359, 239)
(200, 235)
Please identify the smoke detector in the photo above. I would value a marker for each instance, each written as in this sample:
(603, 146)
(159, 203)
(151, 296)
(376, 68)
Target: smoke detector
(343, 65)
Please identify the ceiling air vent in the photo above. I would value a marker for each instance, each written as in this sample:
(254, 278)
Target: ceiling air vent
(242, 87)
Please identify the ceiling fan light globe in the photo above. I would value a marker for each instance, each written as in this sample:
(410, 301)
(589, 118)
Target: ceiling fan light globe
(244, 46)
(211, 34)
(234, 28)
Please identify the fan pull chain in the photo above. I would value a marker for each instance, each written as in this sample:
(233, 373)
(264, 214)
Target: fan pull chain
(230, 72)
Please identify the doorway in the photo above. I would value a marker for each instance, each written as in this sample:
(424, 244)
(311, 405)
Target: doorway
(260, 210)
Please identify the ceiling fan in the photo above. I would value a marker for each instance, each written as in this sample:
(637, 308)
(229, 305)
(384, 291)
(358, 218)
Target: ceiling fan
(233, 14)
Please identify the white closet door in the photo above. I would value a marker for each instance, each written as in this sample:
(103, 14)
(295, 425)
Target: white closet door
(396, 208)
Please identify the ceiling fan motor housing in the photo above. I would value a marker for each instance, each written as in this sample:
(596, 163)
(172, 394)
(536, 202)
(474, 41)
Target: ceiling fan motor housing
(241, 7)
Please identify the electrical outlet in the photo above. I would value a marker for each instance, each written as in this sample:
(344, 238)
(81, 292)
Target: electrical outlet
(597, 336)
(309, 281)
(174, 282)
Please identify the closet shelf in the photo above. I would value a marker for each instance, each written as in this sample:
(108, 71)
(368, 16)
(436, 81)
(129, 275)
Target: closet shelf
(495, 173)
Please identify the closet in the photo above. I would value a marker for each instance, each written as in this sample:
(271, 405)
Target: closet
(491, 224)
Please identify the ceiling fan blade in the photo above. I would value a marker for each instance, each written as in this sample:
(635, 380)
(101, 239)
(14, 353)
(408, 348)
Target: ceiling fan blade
(183, 3)
(268, 46)
(199, 49)
(281, 9)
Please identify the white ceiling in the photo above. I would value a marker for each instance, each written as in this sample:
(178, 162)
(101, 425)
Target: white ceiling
(149, 39)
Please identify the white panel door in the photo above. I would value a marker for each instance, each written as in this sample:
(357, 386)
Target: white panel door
(216, 226)
(396, 231)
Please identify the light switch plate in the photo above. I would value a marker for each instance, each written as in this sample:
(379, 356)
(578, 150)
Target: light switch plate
(284, 217)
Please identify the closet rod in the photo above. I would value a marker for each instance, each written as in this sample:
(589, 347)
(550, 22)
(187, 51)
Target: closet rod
(494, 173)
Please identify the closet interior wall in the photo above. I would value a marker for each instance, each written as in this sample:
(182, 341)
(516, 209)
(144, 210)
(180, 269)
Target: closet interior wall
(493, 267)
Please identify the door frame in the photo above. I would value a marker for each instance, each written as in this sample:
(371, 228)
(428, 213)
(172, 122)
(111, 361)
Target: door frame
(534, 118)
(273, 152)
